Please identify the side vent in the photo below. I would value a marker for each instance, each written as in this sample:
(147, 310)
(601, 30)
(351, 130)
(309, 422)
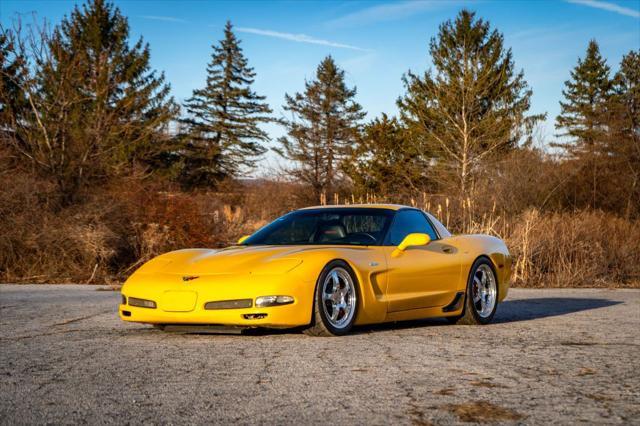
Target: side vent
(456, 304)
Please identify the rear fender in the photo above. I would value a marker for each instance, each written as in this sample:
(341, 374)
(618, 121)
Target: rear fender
(474, 246)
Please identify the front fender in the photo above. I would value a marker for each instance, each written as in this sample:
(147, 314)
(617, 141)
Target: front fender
(369, 266)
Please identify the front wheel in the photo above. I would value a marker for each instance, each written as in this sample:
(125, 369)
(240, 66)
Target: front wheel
(336, 301)
(481, 300)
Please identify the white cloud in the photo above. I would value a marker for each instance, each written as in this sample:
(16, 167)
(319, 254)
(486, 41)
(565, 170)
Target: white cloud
(300, 38)
(387, 12)
(611, 7)
(163, 18)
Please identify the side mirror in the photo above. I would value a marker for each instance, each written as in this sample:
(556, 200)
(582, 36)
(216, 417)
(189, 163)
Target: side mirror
(411, 240)
(243, 239)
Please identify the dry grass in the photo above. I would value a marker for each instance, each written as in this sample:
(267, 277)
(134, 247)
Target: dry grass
(590, 249)
(551, 249)
(482, 412)
(121, 225)
(118, 227)
(485, 384)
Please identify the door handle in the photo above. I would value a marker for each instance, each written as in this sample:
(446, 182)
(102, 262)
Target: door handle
(447, 250)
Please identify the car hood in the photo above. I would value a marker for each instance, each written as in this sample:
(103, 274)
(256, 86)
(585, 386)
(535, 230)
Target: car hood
(232, 260)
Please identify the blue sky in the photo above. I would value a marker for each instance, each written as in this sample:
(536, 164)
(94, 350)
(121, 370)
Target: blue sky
(375, 42)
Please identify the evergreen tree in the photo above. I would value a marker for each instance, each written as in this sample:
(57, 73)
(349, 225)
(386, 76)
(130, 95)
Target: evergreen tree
(96, 106)
(583, 121)
(385, 160)
(223, 137)
(623, 138)
(626, 93)
(586, 95)
(472, 105)
(324, 124)
(13, 75)
(127, 104)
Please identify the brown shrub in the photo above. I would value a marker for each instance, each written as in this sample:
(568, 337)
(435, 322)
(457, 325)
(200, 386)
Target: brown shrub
(124, 224)
(119, 226)
(583, 249)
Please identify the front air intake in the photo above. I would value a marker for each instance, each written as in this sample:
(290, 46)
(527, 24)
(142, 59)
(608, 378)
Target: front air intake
(228, 304)
(254, 316)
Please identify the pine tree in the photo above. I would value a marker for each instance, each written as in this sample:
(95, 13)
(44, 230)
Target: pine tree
(96, 106)
(385, 160)
(13, 75)
(582, 120)
(626, 93)
(622, 143)
(586, 95)
(324, 124)
(127, 104)
(472, 105)
(223, 137)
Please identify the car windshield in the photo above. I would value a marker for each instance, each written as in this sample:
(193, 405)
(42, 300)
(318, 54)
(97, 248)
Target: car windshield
(342, 226)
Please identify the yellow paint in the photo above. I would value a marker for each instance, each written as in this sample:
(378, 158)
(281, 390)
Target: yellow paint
(411, 240)
(423, 276)
(178, 300)
(364, 206)
(416, 282)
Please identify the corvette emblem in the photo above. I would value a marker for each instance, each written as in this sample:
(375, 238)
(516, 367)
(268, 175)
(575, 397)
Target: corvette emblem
(189, 278)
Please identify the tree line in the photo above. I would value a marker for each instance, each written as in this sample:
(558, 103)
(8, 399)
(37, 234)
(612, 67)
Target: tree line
(80, 104)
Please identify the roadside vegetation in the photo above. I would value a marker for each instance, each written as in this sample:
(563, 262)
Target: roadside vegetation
(101, 169)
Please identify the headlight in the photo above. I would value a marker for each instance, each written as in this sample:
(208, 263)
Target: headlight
(266, 301)
(124, 299)
(142, 303)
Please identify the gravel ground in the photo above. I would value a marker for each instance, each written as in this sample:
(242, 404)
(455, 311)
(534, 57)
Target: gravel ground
(551, 357)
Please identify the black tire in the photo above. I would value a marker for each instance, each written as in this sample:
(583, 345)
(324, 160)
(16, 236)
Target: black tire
(320, 324)
(470, 314)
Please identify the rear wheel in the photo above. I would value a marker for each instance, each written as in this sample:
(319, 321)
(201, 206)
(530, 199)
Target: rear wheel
(481, 299)
(335, 302)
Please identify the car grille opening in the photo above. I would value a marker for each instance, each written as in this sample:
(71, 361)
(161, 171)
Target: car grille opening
(229, 304)
(126, 313)
(254, 316)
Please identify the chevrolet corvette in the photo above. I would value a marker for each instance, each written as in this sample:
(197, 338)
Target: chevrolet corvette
(326, 269)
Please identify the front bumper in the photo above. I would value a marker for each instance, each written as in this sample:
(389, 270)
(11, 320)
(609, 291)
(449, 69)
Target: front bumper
(180, 303)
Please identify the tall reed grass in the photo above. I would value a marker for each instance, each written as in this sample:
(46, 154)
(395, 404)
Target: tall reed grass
(551, 249)
(124, 225)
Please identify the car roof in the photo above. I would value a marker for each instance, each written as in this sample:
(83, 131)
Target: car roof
(360, 206)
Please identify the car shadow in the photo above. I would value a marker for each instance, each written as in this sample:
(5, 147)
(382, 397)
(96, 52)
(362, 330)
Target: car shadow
(508, 311)
(543, 307)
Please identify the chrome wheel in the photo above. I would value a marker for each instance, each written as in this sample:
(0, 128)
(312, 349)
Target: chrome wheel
(338, 297)
(484, 290)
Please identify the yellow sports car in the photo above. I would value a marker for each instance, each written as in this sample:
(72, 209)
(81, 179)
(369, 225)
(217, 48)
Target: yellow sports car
(325, 269)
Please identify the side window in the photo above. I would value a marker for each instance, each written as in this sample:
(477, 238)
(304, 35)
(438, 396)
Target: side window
(444, 232)
(408, 222)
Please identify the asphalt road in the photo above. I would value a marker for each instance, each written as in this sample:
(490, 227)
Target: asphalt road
(551, 357)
